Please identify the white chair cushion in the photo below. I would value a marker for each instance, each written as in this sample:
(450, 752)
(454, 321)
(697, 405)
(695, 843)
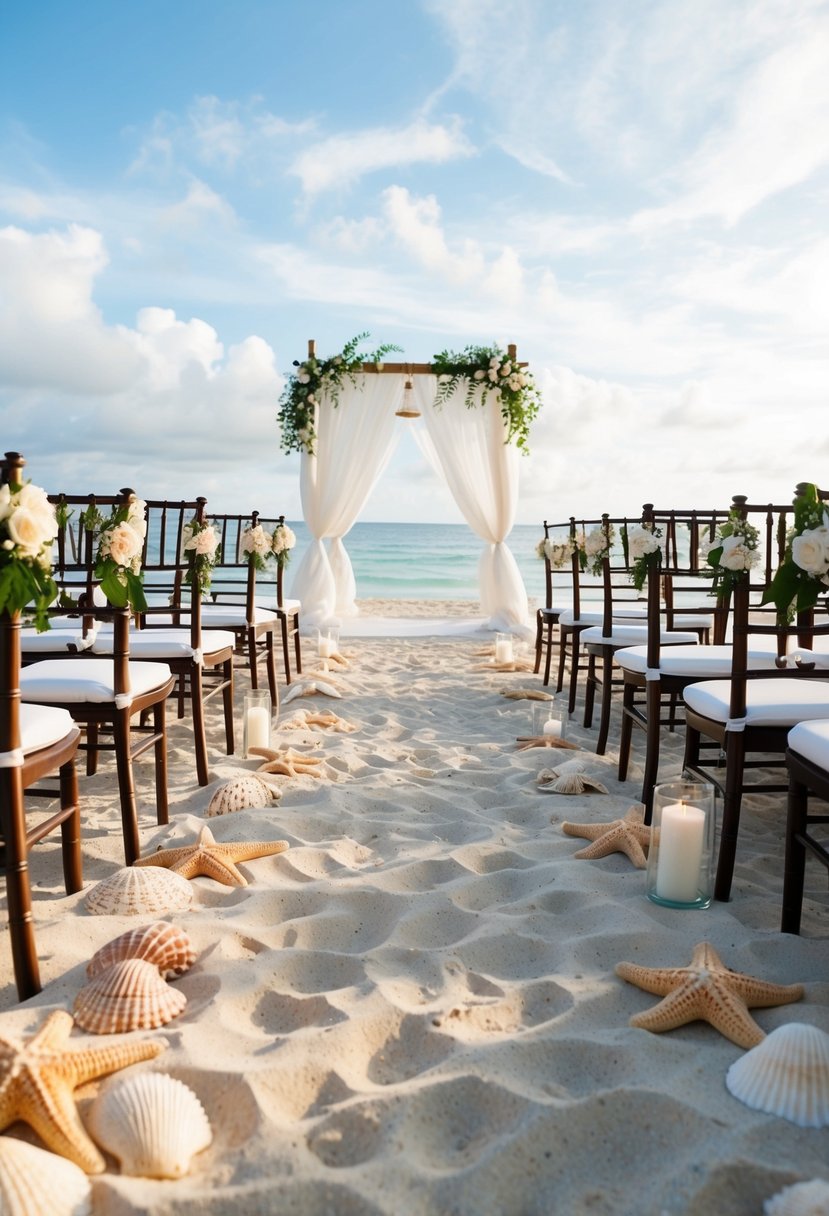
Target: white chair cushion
(635, 612)
(43, 725)
(694, 620)
(164, 643)
(233, 616)
(811, 741)
(79, 680)
(783, 702)
(633, 635)
(706, 662)
(53, 641)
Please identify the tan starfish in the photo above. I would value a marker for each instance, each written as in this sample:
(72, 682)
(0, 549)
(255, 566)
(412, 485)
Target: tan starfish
(211, 859)
(288, 762)
(320, 717)
(706, 991)
(526, 694)
(527, 741)
(309, 688)
(38, 1077)
(629, 836)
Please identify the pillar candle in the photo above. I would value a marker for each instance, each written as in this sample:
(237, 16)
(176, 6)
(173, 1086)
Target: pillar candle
(503, 651)
(553, 727)
(258, 727)
(681, 838)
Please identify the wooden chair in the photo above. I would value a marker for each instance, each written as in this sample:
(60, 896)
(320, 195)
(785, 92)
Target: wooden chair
(546, 617)
(287, 611)
(107, 694)
(807, 760)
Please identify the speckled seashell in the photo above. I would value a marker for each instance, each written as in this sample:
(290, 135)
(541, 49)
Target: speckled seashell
(129, 995)
(786, 1074)
(139, 891)
(153, 1123)
(802, 1199)
(162, 944)
(241, 793)
(34, 1182)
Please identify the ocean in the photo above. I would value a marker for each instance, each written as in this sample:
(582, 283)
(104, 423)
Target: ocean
(425, 561)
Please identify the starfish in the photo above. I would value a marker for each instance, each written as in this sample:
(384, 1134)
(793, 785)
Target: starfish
(320, 717)
(38, 1077)
(526, 694)
(628, 836)
(514, 665)
(706, 991)
(212, 859)
(288, 762)
(528, 741)
(307, 688)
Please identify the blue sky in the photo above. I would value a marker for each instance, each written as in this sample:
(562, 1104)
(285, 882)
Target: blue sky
(635, 194)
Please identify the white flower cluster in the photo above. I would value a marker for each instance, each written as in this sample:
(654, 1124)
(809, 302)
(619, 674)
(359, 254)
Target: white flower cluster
(641, 541)
(810, 550)
(503, 373)
(257, 541)
(202, 541)
(559, 552)
(739, 552)
(123, 543)
(27, 524)
(283, 539)
(596, 544)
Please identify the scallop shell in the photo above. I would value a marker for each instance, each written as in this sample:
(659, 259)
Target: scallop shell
(802, 1199)
(138, 891)
(162, 944)
(568, 778)
(129, 995)
(153, 1123)
(786, 1074)
(34, 1182)
(241, 793)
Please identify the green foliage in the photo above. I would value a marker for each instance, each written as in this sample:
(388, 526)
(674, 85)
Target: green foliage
(26, 585)
(490, 369)
(793, 589)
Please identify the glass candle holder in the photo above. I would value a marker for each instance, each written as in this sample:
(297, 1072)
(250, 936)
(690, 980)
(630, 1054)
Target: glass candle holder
(256, 721)
(681, 848)
(504, 652)
(549, 721)
(328, 643)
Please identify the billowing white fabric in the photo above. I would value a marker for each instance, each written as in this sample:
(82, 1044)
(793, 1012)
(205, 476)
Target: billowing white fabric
(811, 741)
(481, 470)
(781, 702)
(354, 442)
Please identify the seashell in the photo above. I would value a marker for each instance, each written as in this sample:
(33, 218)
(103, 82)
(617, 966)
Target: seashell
(802, 1199)
(136, 891)
(241, 793)
(129, 995)
(786, 1074)
(34, 1182)
(153, 1123)
(568, 778)
(307, 688)
(162, 944)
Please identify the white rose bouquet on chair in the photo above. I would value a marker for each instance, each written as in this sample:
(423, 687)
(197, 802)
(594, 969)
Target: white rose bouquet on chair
(803, 575)
(28, 525)
(120, 546)
(597, 545)
(641, 545)
(202, 550)
(256, 543)
(732, 553)
(283, 542)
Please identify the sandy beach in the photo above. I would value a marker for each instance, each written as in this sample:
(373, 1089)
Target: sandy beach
(413, 1010)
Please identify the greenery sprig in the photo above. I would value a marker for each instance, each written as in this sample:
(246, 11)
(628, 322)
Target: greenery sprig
(490, 369)
(803, 575)
(28, 527)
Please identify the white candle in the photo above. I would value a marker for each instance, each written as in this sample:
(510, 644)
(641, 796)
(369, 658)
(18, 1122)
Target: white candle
(503, 650)
(681, 838)
(325, 647)
(258, 727)
(552, 727)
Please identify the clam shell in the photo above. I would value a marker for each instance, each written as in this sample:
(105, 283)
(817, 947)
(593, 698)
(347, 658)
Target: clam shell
(153, 1123)
(786, 1074)
(241, 793)
(568, 778)
(34, 1182)
(129, 995)
(139, 891)
(802, 1199)
(162, 944)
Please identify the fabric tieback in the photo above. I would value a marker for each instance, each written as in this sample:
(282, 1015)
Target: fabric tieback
(653, 673)
(736, 724)
(198, 658)
(13, 759)
(123, 700)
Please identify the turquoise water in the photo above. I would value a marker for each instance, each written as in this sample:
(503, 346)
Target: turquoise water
(425, 561)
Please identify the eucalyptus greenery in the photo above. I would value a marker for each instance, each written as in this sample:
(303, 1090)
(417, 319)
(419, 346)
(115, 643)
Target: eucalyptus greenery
(490, 369)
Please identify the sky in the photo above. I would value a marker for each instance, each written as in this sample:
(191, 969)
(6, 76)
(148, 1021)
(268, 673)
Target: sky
(635, 194)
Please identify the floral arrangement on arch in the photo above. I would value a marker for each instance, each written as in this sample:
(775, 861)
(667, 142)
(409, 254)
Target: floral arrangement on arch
(803, 575)
(200, 542)
(641, 545)
(491, 370)
(28, 526)
(120, 547)
(732, 553)
(317, 382)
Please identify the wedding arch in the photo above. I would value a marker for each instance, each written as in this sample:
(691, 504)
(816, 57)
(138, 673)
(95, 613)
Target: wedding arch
(340, 414)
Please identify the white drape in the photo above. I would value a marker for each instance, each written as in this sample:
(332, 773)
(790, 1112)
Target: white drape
(481, 470)
(354, 443)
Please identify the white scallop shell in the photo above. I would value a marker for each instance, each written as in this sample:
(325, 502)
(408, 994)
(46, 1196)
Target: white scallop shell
(129, 995)
(139, 891)
(568, 778)
(786, 1074)
(34, 1182)
(153, 1123)
(802, 1199)
(241, 793)
(160, 943)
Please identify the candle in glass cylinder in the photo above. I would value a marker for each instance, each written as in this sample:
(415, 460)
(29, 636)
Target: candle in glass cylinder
(258, 727)
(325, 646)
(552, 728)
(503, 649)
(681, 838)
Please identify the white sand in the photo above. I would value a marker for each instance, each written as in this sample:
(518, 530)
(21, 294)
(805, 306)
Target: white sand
(414, 1009)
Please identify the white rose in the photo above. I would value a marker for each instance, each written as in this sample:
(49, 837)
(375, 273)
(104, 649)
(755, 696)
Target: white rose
(303, 378)
(809, 552)
(26, 531)
(735, 555)
(595, 542)
(479, 374)
(522, 380)
(494, 363)
(122, 543)
(506, 369)
(641, 541)
(283, 538)
(492, 374)
(204, 542)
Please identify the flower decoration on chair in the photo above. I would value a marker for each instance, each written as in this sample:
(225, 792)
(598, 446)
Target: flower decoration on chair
(256, 543)
(28, 525)
(596, 547)
(803, 575)
(202, 550)
(732, 553)
(318, 382)
(642, 549)
(559, 552)
(284, 539)
(491, 370)
(118, 558)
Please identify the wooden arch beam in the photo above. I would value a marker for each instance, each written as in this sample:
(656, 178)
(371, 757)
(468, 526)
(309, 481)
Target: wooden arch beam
(409, 369)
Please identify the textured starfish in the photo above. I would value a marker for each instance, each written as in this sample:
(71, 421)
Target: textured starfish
(308, 688)
(526, 694)
(706, 991)
(629, 836)
(526, 742)
(288, 762)
(38, 1077)
(211, 859)
(320, 717)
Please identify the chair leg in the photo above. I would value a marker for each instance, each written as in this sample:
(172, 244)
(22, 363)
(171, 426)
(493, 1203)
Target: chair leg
(199, 735)
(549, 653)
(18, 890)
(297, 647)
(539, 626)
(162, 801)
(253, 659)
(126, 785)
(794, 872)
(270, 665)
(70, 829)
(732, 801)
(286, 656)
(652, 742)
(626, 734)
(574, 672)
(589, 691)
(91, 748)
(607, 702)
(562, 657)
(227, 701)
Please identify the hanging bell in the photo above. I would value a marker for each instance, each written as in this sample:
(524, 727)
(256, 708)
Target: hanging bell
(408, 406)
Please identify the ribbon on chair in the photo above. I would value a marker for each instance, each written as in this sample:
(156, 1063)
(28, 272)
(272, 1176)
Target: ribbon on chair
(653, 673)
(198, 658)
(736, 724)
(123, 700)
(13, 759)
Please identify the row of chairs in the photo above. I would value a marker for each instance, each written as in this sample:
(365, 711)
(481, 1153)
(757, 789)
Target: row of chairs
(743, 682)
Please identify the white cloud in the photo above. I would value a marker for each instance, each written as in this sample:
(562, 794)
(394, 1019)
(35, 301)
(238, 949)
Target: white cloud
(200, 202)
